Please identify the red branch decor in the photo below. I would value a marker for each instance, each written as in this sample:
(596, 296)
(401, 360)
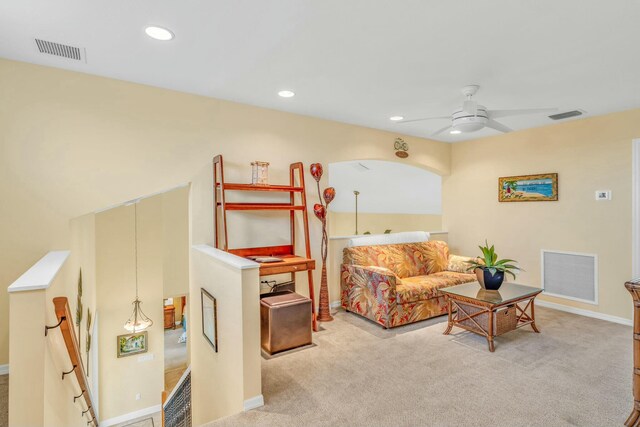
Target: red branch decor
(321, 210)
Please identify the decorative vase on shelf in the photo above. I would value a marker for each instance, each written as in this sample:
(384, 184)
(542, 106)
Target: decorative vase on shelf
(259, 173)
(321, 210)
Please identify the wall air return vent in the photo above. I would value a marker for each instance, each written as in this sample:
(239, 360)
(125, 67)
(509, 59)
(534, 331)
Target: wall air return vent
(570, 275)
(62, 50)
(566, 115)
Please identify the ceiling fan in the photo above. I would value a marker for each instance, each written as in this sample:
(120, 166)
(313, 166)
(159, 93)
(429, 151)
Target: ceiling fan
(471, 117)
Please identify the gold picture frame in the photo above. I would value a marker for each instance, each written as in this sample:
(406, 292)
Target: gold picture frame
(130, 344)
(528, 188)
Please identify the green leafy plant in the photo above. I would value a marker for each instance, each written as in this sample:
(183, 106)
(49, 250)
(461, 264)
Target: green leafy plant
(79, 308)
(489, 261)
(88, 345)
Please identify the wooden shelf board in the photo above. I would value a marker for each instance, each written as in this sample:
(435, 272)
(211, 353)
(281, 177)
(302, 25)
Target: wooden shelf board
(289, 264)
(261, 207)
(251, 187)
(277, 251)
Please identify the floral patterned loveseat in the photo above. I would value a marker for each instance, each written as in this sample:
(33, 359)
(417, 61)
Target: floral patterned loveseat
(398, 284)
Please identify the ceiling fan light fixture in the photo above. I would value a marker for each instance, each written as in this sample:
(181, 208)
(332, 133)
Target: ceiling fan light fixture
(472, 117)
(159, 33)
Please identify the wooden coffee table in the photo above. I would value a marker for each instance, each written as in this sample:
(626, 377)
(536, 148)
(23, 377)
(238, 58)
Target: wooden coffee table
(490, 313)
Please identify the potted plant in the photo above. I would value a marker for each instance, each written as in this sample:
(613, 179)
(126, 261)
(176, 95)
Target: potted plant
(490, 270)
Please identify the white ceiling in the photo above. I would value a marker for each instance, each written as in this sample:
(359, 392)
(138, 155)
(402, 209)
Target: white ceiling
(354, 61)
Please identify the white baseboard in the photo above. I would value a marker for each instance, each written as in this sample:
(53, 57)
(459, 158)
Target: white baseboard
(4, 369)
(335, 304)
(253, 403)
(582, 312)
(131, 416)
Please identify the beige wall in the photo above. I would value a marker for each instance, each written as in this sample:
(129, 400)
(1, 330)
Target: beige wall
(221, 381)
(73, 143)
(27, 354)
(175, 236)
(588, 155)
(102, 245)
(343, 223)
(38, 396)
(177, 304)
(122, 378)
(82, 258)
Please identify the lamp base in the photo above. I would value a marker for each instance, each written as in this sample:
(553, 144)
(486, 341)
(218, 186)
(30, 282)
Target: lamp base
(324, 312)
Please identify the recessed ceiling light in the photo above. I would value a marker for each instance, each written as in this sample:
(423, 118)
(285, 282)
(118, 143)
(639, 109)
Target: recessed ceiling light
(455, 132)
(159, 33)
(396, 118)
(286, 94)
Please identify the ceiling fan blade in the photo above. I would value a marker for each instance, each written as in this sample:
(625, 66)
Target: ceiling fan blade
(439, 131)
(427, 118)
(497, 126)
(496, 114)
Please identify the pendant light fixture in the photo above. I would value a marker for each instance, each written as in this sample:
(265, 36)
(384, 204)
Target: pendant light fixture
(138, 321)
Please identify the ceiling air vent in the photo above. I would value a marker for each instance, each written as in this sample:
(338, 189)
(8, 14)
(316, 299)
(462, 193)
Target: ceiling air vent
(63, 50)
(566, 115)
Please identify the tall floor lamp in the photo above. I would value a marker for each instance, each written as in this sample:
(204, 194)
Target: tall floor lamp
(356, 193)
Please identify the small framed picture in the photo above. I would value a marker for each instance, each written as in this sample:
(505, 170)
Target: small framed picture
(209, 319)
(528, 188)
(130, 344)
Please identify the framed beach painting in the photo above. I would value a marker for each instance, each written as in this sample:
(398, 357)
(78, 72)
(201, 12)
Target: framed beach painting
(131, 344)
(210, 319)
(528, 188)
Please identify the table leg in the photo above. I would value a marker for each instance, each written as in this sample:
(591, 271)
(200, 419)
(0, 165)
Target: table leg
(490, 334)
(634, 418)
(533, 318)
(450, 323)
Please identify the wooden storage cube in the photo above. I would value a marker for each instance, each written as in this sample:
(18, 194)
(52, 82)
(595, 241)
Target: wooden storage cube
(504, 319)
(285, 321)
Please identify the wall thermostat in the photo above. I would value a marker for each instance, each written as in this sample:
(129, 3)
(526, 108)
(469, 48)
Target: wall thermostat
(603, 195)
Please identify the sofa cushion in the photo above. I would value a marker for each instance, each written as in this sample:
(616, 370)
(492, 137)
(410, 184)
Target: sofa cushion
(460, 264)
(418, 288)
(405, 260)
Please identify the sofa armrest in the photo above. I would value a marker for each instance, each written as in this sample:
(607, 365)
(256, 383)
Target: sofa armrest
(460, 264)
(369, 291)
(369, 275)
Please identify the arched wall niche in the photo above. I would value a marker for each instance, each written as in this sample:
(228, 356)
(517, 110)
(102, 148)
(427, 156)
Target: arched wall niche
(392, 196)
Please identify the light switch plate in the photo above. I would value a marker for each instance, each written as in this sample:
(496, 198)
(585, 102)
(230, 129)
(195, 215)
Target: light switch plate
(145, 357)
(603, 195)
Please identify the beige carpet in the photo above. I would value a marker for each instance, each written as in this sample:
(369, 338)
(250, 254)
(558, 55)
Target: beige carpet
(4, 400)
(577, 372)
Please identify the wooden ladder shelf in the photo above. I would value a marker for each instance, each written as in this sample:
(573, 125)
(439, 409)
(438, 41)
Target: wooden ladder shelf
(291, 263)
